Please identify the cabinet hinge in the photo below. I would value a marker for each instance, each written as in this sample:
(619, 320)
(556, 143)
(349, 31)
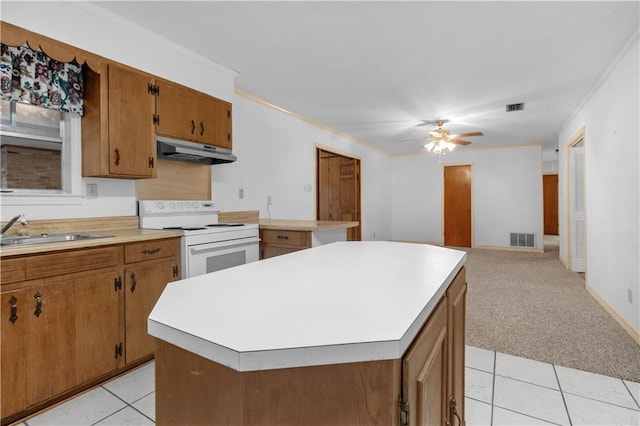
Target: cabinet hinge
(175, 271)
(153, 89)
(151, 162)
(117, 283)
(118, 350)
(156, 119)
(404, 411)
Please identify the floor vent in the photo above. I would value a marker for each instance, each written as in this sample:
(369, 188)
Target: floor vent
(522, 240)
(515, 107)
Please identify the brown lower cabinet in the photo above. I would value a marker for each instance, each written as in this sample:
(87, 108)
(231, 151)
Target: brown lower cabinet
(69, 318)
(424, 387)
(276, 242)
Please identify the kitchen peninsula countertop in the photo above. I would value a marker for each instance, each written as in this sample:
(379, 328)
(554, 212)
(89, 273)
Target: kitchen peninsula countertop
(305, 225)
(337, 303)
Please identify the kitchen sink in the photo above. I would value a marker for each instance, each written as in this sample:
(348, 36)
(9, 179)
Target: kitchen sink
(48, 238)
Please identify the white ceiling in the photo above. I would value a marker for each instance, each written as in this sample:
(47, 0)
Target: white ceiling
(375, 69)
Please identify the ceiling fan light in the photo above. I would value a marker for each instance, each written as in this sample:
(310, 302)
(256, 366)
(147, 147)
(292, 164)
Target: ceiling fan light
(451, 146)
(429, 146)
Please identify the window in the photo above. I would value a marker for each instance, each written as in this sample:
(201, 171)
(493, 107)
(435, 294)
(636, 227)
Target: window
(33, 149)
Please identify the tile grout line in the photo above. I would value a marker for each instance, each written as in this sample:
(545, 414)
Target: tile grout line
(111, 414)
(631, 393)
(493, 384)
(564, 401)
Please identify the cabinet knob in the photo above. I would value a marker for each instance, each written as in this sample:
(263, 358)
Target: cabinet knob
(116, 157)
(133, 282)
(38, 298)
(14, 309)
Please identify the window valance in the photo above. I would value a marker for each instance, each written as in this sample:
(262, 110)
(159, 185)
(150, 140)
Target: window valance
(30, 76)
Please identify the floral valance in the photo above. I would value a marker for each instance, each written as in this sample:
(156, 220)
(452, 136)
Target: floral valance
(32, 77)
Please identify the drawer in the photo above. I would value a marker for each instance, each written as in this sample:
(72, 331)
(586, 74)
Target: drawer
(12, 270)
(272, 251)
(68, 262)
(287, 238)
(151, 249)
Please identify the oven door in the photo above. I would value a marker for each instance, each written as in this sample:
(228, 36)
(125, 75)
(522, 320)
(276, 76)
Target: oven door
(211, 257)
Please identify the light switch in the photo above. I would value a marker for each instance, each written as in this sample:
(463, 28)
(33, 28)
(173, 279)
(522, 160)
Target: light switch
(92, 190)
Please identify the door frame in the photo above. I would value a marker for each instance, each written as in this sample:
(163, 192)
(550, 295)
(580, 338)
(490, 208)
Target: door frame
(577, 140)
(442, 166)
(316, 148)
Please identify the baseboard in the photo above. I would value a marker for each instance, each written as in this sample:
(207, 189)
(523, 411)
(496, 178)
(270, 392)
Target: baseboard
(509, 248)
(635, 335)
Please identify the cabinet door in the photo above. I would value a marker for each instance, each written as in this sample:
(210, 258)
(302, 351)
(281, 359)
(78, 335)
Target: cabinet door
(132, 145)
(176, 109)
(12, 345)
(424, 372)
(457, 298)
(216, 116)
(144, 282)
(97, 324)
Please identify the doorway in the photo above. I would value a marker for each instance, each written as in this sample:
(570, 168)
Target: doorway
(457, 205)
(338, 194)
(550, 203)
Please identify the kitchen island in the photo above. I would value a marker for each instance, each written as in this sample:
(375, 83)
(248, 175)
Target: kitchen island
(337, 334)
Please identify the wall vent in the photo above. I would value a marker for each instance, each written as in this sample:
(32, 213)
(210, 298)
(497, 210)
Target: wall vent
(519, 239)
(515, 107)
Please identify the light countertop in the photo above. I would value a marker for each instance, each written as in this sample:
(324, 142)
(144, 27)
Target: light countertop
(336, 303)
(305, 225)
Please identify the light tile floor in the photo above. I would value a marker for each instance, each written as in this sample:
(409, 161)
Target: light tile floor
(500, 390)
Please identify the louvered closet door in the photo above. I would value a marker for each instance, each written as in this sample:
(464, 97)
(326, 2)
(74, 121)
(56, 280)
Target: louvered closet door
(578, 243)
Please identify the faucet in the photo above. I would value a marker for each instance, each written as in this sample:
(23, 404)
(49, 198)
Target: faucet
(9, 224)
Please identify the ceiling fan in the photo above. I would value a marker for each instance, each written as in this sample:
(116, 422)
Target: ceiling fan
(440, 139)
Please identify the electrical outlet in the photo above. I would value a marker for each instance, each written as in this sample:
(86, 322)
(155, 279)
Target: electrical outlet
(630, 295)
(268, 200)
(241, 193)
(92, 190)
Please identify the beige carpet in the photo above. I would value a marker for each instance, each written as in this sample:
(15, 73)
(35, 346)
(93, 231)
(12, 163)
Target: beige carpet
(529, 305)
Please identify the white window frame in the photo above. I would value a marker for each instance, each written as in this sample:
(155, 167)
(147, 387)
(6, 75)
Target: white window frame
(71, 156)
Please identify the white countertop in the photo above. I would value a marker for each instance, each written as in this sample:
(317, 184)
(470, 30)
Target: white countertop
(336, 303)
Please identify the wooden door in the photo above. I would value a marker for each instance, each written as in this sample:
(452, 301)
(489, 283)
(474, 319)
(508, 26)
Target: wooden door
(144, 283)
(13, 368)
(338, 190)
(550, 202)
(457, 206)
(132, 139)
(97, 324)
(51, 352)
(457, 299)
(424, 372)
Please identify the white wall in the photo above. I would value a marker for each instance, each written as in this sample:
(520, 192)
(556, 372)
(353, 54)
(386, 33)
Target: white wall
(276, 157)
(610, 118)
(506, 195)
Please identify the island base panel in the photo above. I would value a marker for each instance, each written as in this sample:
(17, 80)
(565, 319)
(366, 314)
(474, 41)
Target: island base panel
(192, 390)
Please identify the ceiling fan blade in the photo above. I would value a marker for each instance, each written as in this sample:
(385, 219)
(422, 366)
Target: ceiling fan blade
(459, 135)
(460, 142)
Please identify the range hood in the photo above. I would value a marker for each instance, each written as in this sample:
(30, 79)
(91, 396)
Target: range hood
(174, 149)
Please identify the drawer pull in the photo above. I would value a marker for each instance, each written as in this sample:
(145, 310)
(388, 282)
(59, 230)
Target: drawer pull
(38, 298)
(201, 129)
(283, 237)
(151, 251)
(14, 309)
(193, 127)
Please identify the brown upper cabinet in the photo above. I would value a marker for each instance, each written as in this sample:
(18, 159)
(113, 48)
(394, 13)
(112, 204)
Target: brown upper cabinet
(118, 135)
(187, 114)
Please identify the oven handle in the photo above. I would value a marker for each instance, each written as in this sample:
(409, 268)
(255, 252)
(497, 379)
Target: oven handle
(203, 248)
